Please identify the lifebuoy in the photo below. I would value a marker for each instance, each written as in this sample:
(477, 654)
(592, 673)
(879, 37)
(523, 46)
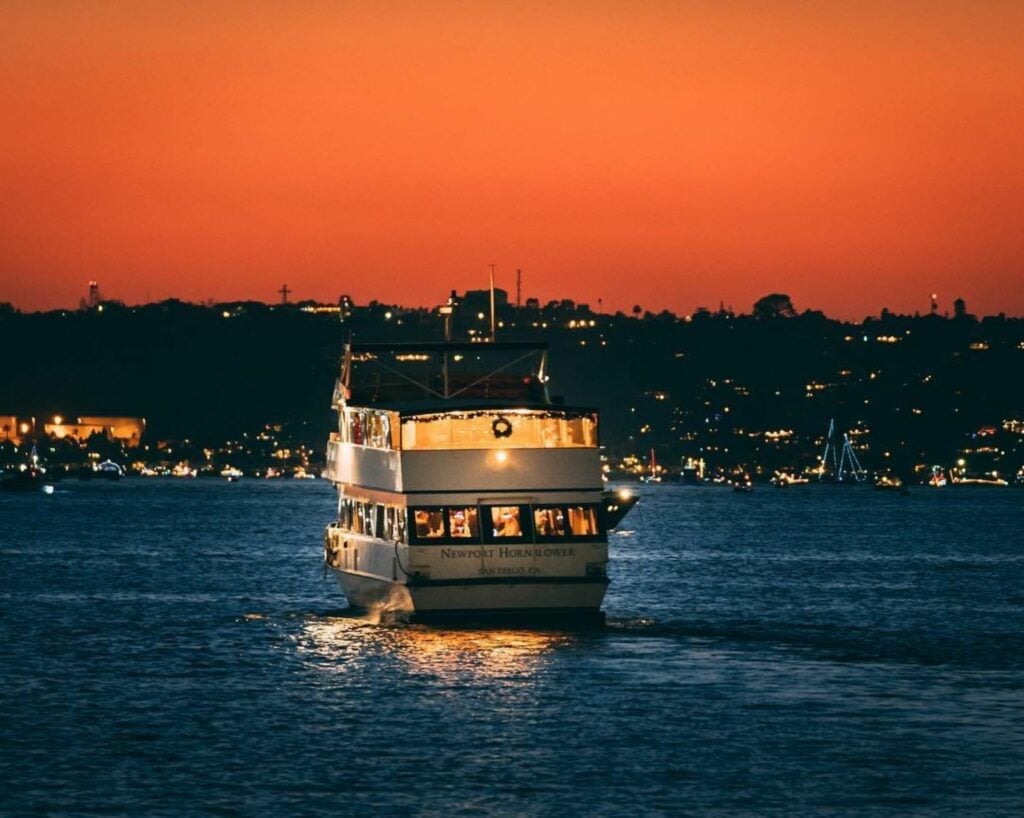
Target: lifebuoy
(502, 427)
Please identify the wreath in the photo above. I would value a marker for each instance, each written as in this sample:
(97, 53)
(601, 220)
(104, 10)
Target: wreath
(502, 427)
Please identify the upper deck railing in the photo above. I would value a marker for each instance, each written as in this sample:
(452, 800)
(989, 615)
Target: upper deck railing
(384, 374)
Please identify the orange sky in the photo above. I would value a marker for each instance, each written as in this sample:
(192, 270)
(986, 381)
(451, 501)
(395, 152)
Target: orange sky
(671, 154)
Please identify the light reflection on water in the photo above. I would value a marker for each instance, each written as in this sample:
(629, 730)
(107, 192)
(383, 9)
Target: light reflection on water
(336, 645)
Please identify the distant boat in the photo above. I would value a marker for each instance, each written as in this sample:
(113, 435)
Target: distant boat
(938, 478)
(654, 476)
(982, 480)
(783, 479)
(839, 462)
(110, 470)
(30, 477)
(743, 484)
(889, 482)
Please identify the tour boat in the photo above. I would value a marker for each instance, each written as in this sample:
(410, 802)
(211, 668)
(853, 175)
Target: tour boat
(463, 487)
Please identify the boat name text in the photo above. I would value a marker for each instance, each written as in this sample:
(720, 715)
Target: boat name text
(505, 552)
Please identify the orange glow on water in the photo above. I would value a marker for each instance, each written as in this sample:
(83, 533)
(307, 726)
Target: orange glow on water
(339, 644)
(666, 154)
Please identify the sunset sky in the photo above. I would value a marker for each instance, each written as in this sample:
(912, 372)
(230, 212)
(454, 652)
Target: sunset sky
(656, 152)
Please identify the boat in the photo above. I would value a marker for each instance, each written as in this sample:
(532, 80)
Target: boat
(30, 477)
(937, 478)
(464, 488)
(839, 461)
(110, 470)
(889, 482)
(742, 483)
(783, 479)
(984, 480)
(655, 473)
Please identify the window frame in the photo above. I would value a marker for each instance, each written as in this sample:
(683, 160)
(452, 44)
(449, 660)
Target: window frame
(416, 539)
(599, 533)
(525, 523)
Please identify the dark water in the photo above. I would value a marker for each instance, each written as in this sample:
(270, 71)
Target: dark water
(172, 648)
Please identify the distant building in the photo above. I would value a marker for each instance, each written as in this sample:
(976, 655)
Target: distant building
(16, 429)
(127, 430)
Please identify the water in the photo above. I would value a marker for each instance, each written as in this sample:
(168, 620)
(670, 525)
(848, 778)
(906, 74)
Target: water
(172, 648)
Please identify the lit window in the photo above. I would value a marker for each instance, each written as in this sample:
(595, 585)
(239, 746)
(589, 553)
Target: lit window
(463, 522)
(549, 522)
(429, 523)
(505, 521)
(582, 521)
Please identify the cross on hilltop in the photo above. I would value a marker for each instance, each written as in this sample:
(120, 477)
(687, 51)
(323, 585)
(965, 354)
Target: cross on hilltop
(284, 293)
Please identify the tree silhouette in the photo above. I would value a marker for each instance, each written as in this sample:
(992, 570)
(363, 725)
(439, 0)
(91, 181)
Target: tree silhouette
(776, 305)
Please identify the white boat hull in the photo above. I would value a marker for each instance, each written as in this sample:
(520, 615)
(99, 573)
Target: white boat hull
(551, 595)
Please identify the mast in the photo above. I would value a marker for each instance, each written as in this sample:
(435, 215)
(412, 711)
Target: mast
(446, 310)
(830, 447)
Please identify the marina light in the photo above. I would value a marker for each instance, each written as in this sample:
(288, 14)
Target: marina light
(58, 419)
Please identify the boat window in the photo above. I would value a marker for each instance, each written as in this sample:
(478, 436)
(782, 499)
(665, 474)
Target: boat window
(394, 524)
(583, 521)
(505, 522)
(549, 522)
(463, 522)
(514, 429)
(429, 523)
(378, 527)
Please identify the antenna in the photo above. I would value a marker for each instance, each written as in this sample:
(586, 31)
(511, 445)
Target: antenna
(492, 301)
(519, 288)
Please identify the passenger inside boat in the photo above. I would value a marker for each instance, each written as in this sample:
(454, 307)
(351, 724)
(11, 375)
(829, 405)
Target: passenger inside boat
(506, 521)
(429, 523)
(549, 522)
(462, 522)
